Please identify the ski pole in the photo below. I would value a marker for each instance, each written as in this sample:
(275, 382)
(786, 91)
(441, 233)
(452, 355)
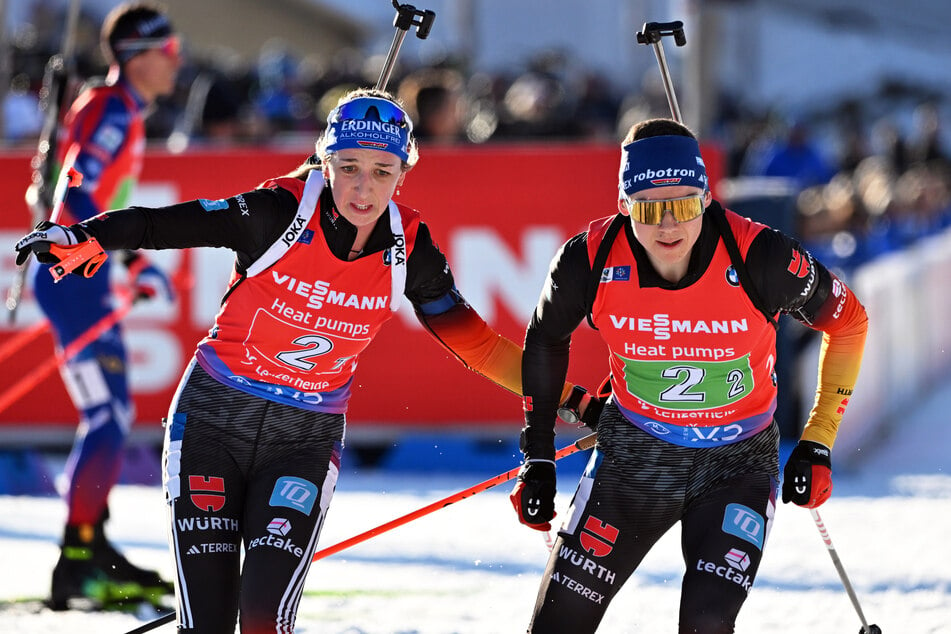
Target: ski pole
(40, 372)
(151, 625)
(581, 444)
(651, 33)
(824, 533)
(58, 78)
(70, 178)
(406, 17)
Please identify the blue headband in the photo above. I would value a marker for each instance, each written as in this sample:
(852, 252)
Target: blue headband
(661, 161)
(146, 33)
(370, 123)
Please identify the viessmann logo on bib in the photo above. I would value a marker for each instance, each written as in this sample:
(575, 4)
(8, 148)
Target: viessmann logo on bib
(662, 326)
(319, 292)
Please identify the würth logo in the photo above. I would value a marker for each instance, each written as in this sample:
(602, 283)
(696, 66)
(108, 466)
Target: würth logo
(598, 537)
(799, 266)
(207, 492)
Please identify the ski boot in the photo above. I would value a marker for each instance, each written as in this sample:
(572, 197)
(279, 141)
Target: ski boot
(90, 568)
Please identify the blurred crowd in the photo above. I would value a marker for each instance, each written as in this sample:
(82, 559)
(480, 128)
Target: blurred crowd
(859, 186)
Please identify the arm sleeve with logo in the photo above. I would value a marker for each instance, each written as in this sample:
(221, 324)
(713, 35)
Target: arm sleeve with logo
(793, 282)
(561, 308)
(455, 325)
(247, 226)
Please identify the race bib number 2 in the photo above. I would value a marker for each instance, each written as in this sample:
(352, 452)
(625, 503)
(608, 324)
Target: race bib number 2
(689, 385)
(299, 349)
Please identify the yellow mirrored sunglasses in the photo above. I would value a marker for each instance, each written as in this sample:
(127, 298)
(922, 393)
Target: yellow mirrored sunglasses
(651, 212)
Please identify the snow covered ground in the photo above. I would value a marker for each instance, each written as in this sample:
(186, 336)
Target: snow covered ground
(470, 568)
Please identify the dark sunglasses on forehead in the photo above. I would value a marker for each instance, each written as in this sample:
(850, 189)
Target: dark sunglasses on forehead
(170, 45)
(651, 212)
(371, 108)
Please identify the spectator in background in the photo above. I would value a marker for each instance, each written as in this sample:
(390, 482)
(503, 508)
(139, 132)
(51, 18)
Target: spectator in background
(791, 155)
(888, 142)
(435, 99)
(926, 143)
(104, 140)
(22, 116)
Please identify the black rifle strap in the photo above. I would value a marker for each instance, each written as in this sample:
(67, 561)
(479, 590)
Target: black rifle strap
(600, 258)
(729, 241)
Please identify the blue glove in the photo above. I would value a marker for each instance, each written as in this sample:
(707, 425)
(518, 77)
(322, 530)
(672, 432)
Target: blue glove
(147, 280)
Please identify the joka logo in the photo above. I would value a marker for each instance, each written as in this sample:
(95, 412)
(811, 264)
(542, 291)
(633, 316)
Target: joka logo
(207, 492)
(294, 493)
(598, 537)
(744, 523)
(799, 266)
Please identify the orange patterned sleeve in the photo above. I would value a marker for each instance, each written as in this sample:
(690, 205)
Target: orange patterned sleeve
(463, 332)
(844, 325)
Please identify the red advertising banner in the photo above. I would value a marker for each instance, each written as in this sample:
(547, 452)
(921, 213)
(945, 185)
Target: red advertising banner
(499, 213)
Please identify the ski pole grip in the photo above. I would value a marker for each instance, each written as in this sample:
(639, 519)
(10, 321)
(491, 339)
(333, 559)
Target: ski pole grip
(89, 255)
(651, 32)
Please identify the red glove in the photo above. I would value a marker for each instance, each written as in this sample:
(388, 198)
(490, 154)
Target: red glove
(807, 478)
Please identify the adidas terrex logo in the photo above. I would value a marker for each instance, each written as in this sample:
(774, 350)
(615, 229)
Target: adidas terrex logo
(216, 547)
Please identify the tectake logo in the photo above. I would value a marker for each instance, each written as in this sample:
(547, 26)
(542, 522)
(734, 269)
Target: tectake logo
(738, 559)
(279, 526)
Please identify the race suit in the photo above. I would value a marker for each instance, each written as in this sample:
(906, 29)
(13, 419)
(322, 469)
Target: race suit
(688, 433)
(104, 141)
(255, 432)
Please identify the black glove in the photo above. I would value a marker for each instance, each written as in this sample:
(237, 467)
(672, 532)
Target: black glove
(39, 240)
(534, 494)
(807, 477)
(54, 243)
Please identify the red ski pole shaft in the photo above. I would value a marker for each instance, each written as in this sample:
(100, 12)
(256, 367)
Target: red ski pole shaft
(13, 345)
(40, 372)
(579, 445)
